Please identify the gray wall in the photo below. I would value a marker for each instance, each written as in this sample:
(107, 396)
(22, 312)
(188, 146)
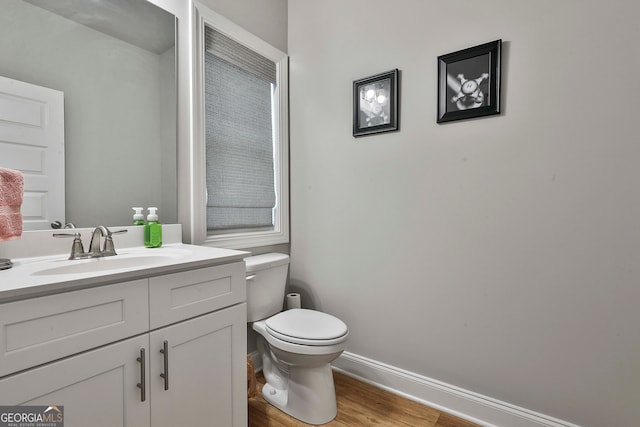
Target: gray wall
(500, 254)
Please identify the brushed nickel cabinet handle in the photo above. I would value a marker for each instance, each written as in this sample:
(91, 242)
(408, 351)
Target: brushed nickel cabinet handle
(165, 351)
(142, 384)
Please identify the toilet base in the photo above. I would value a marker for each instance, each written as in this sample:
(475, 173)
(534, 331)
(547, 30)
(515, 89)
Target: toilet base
(310, 395)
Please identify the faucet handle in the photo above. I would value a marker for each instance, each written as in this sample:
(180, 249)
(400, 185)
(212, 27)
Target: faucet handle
(109, 249)
(77, 249)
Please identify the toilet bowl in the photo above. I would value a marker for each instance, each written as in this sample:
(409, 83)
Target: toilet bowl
(296, 346)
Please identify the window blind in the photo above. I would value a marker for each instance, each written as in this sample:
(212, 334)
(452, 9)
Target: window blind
(239, 55)
(239, 137)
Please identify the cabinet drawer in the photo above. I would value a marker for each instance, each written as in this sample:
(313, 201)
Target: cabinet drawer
(179, 296)
(47, 328)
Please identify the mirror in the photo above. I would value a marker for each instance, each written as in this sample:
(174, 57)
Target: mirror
(115, 61)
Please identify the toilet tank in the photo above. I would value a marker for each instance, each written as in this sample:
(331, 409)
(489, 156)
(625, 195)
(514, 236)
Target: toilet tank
(266, 280)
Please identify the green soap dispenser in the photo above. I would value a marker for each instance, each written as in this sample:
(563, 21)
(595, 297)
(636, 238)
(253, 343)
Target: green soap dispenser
(138, 218)
(152, 230)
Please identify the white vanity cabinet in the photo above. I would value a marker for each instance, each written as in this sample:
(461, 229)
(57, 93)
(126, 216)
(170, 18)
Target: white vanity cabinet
(190, 392)
(96, 388)
(196, 393)
(159, 351)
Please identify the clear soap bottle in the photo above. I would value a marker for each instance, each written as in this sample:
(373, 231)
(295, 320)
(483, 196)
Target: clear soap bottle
(152, 230)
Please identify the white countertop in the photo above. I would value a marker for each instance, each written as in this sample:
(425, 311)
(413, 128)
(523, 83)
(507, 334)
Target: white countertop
(44, 275)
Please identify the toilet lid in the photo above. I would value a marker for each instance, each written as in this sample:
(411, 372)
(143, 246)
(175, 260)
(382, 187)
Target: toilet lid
(308, 327)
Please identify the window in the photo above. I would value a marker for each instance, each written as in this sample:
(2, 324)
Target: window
(241, 137)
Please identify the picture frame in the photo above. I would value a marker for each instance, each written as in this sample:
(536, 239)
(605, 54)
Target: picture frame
(375, 104)
(469, 82)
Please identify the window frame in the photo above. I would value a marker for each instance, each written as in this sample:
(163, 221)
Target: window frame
(247, 239)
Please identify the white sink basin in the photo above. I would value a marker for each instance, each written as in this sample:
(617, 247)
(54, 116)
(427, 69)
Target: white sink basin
(124, 260)
(39, 275)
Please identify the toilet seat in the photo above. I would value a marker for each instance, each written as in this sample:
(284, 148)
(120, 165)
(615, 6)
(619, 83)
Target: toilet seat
(307, 327)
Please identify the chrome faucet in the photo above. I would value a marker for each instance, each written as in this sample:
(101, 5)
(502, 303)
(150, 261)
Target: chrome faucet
(94, 244)
(108, 249)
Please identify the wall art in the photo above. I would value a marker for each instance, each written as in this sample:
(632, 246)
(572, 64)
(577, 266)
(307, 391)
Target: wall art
(375, 104)
(469, 82)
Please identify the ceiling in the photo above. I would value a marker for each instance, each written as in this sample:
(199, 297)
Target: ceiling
(137, 22)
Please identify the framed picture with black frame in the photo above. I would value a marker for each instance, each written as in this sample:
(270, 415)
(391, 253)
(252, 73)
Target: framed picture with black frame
(469, 82)
(375, 104)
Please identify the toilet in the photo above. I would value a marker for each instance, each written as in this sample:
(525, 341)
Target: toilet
(296, 346)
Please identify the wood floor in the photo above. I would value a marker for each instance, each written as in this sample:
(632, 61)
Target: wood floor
(359, 404)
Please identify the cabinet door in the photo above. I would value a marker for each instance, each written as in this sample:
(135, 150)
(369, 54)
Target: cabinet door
(38, 330)
(97, 388)
(206, 377)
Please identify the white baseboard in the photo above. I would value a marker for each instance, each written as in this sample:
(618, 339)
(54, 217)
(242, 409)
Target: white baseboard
(454, 400)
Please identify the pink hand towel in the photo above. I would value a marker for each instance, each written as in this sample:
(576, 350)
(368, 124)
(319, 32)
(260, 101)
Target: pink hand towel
(11, 192)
